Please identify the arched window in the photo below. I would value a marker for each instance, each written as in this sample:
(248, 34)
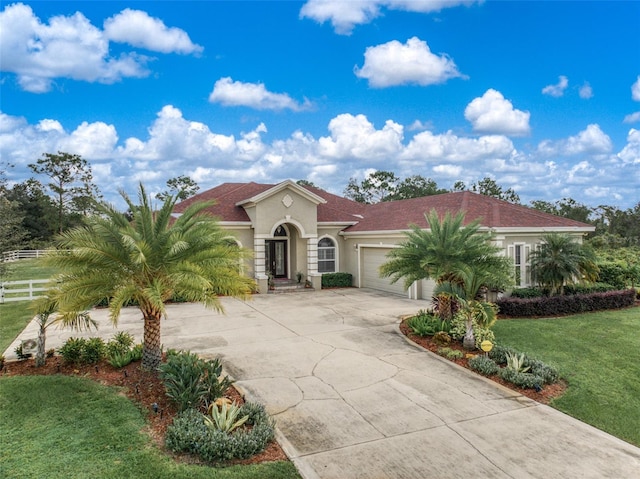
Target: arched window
(326, 256)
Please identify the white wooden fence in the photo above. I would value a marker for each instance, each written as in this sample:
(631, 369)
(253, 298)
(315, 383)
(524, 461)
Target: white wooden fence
(15, 290)
(23, 254)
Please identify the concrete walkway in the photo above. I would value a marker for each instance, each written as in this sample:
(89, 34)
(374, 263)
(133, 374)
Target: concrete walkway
(354, 399)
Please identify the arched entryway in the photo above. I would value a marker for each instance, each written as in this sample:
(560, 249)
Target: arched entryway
(277, 253)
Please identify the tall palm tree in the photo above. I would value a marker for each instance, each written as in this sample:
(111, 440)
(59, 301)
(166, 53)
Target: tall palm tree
(559, 261)
(148, 260)
(446, 248)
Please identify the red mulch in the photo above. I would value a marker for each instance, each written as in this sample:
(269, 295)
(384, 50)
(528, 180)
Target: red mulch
(548, 392)
(144, 388)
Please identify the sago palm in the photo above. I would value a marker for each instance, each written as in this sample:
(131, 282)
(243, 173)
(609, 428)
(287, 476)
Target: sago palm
(560, 260)
(148, 258)
(437, 253)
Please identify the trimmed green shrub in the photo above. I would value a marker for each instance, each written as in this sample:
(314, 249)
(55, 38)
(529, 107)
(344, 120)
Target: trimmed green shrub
(190, 434)
(562, 305)
(94, 350)
(548, 373)
(531, 292)
(522, 380)
(484, 365)
(71, 350)
(121, 342)
(337, 280)
(442, 338)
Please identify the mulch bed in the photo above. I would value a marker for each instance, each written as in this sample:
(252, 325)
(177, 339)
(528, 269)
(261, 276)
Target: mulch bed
(548, 392)
(142, 387)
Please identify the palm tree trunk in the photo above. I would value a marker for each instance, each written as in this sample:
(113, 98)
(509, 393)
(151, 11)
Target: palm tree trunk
(152, 347)
(469, 340)
(40, 353)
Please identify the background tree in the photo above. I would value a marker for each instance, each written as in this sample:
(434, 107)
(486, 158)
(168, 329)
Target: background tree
(12, 233)
(306, 183)
(566, 207)
(488, 187)
(37, 210)
(148, 261)
(182, 187)
(376, 187)
(559, 261)
(415, 186)
(71, 184)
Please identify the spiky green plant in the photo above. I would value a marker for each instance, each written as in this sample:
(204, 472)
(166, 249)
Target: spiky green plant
(224, 418)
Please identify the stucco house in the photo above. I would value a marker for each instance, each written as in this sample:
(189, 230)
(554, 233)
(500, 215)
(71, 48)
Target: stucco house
(291, 229)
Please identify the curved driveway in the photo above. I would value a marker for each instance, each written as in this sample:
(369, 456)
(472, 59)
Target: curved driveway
(353, 399)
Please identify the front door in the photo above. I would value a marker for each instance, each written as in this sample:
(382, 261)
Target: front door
(276, 258)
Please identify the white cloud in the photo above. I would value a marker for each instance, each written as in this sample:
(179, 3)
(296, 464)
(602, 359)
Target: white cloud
(632, 117)
(175, 145)
(253, 95)
(492, 113)
(426, 146)
(394, 63)
(356, 138)
(71, 47)
(558, 89)
(345, 15)
(173, 137)
(585, 91)
(592, 140)
(91, 140)
(630, 154)
(68, 47)
(138, 29)
(635, 90)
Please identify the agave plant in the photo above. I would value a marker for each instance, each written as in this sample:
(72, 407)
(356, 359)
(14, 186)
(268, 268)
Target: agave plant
(225, 417)
(516, 362)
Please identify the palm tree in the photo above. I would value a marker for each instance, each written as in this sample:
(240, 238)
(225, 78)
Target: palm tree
(466, 287)
(461, 259)
(148, 261)
(44, 308)
(560, 260)
(446, 248)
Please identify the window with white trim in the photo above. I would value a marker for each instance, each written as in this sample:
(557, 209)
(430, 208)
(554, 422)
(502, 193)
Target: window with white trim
(326, 256)
(519, 252)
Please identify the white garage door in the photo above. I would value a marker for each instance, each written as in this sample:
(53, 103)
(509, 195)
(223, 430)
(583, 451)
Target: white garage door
(371, 259)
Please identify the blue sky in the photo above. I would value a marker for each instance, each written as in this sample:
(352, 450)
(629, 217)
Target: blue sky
(543, 97)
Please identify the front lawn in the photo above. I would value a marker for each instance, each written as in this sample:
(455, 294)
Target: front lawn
(599, 356)
(14, 317)
(97, 434)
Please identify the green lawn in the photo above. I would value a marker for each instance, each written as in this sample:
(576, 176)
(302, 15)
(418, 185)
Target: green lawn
(599, 356)
(13, 319)
(59, 426)
(29, 269)
(14, 316)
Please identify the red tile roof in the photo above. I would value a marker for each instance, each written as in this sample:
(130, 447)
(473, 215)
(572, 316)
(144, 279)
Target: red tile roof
(392, 215)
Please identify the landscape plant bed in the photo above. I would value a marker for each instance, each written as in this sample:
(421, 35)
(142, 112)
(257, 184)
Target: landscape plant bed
(145, 389)
(545, 396)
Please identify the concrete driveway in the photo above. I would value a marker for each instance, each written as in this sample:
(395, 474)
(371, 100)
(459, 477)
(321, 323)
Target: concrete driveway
(353, 399)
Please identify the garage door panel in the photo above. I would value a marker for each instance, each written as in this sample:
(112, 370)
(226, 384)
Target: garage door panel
(372, 258)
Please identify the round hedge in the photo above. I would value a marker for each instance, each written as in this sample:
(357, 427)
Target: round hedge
(190, 434)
